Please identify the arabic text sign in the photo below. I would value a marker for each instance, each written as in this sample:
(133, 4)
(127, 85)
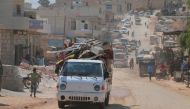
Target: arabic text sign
(35, 24)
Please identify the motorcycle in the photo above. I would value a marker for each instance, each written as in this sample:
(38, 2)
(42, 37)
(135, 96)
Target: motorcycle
(27, 82)
(162, 75)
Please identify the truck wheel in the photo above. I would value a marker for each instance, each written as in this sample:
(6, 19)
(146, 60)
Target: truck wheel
(107, 100)
(61, 104)
(102, 106)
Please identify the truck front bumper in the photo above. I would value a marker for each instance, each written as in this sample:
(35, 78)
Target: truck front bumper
(74, 97)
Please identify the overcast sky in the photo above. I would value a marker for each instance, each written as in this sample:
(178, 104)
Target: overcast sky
(35, 2)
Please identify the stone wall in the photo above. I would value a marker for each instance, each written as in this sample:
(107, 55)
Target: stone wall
(15, 44)
(12, 79)
(7, 48)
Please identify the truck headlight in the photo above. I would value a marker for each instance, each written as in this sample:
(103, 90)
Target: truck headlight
(62, 87)
(97, 88)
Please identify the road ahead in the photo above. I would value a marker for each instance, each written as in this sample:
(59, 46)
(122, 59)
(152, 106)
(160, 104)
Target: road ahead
(129, 91)
(132, 92)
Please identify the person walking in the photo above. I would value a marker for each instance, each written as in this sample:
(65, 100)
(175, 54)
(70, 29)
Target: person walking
(1, 75)
(35, 77)
(131, 63)
(139, 43)
(150, 71)
(133, 33)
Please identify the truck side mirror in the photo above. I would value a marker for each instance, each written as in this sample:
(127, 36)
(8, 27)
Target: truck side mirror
(106, 75)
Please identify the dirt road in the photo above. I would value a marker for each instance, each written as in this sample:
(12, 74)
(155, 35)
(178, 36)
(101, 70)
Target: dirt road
(129, 92)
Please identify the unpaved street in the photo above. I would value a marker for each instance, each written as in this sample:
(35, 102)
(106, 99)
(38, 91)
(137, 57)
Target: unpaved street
(129, 92)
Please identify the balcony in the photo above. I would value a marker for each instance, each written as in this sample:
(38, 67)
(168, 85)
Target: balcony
(20, 23)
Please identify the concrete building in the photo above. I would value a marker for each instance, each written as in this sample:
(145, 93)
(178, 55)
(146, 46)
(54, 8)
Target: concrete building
(18, 32)
(73, 17)
(81, 17)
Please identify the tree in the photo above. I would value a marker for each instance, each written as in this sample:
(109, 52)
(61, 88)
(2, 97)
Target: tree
(185, 37)
(44, 3)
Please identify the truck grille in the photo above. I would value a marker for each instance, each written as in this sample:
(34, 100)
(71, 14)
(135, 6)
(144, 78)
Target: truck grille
(77, 98)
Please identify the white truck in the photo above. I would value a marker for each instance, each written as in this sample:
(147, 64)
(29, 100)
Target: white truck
(83, 81)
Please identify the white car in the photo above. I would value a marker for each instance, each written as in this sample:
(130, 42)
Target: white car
(124, 30)
(83, 81)
(128, 25)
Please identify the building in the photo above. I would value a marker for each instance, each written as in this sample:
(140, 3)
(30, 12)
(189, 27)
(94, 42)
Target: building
(18, 32)
(72, 18)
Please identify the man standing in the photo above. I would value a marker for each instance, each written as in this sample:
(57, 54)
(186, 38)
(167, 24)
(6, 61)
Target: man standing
(150, 71)
(131, 63)
(1, 75)
(35, 77)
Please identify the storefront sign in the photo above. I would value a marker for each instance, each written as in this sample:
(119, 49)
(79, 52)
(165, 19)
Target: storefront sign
(55, 43)
(36, 24)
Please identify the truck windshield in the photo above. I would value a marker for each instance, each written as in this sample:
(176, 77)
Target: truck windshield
(82, 69)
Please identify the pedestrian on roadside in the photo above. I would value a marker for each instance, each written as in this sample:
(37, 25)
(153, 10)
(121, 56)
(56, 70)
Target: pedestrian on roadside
(150, 71)
(184, 68)
(145, 34)
(133, 34)
(131, 63)
(1, 75)
(139, 42)
(128, 33)
(35, 77)
(145, 23)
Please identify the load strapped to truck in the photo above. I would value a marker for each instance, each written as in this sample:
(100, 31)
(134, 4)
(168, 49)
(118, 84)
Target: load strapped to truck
(91, 49)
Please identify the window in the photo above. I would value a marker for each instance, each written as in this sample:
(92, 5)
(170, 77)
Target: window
(85, 26)
(73, 25)
(18, 10)
(86, 4)
(108, 7)
(100, 11)
(82, 69)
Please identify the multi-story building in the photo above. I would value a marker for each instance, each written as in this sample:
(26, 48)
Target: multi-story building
(18, 32)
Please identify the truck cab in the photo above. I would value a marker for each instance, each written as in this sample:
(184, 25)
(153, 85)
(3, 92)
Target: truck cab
(83, 81)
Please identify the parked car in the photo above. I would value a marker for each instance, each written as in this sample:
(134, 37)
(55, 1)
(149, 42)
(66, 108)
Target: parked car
(138, 21)
(120, 60)
(83, 81)
(124, 30)
(128, 25)
(124, 41)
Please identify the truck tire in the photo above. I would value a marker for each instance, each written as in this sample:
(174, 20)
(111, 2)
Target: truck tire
(61, 104)
(102, 106)
(107, 99)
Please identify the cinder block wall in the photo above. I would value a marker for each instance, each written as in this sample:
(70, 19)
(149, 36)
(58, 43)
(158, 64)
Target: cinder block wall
(12, 79)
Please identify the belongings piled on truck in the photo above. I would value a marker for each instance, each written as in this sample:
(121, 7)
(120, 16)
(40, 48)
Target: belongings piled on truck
(91, 49)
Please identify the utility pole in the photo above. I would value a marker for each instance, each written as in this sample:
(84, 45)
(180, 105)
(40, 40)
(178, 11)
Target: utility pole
(65, 21)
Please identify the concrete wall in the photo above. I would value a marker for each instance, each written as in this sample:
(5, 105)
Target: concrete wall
(29, 41)
(8, 16)
(7, 48)
(12, 79)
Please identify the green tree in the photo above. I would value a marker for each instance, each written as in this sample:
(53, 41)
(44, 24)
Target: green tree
(44, 3)
(185, 37)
